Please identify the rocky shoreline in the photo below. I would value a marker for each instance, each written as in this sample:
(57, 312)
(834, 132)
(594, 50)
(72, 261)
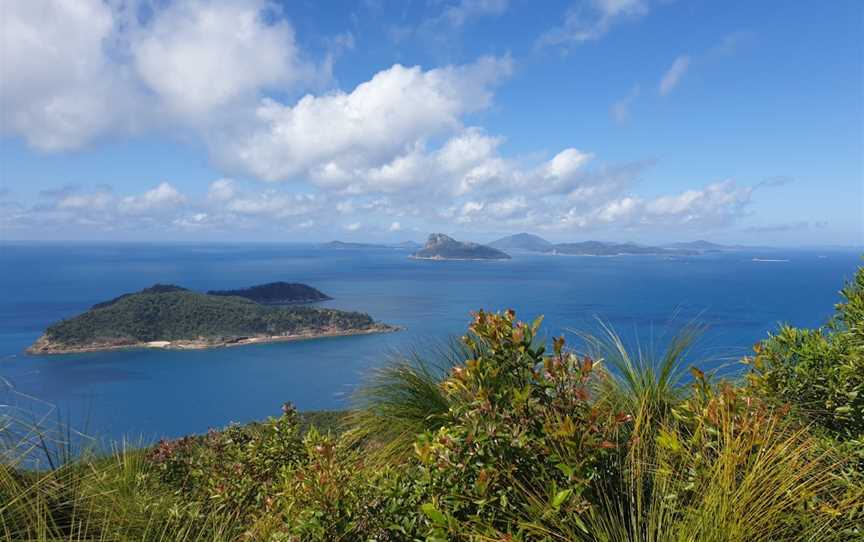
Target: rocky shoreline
(44, 346)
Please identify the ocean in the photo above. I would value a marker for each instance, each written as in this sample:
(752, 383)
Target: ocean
(144, 395)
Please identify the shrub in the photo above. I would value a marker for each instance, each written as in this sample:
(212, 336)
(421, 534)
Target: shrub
(819, 371)
(520, 421)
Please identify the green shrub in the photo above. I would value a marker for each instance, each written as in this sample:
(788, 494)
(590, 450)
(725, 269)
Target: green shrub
(234, 471)
(819, 371)
(519, 421)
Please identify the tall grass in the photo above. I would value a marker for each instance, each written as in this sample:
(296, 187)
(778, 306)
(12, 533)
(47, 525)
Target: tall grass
(401, 400)
(56, 486)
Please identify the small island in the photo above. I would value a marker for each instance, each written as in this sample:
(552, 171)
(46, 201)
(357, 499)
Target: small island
(276, 293)
(443, 247)
(347, 245)
(598, 248)
(177, 318)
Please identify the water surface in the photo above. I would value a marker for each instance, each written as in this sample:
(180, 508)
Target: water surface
(153, 393)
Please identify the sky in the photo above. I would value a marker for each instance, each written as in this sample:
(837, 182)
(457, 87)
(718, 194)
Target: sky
(255, 120)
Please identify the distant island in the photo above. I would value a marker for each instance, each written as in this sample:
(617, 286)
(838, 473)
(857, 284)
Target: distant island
(407, 245)
(701, 246)
(598, 248)
(443, 247)
(533, 243)
(276, 293)
(167, 316)
(522, 241)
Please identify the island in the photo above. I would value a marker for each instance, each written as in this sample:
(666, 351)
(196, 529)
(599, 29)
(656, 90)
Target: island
(533, 243)
(701, 246)
(155, 289)
(343, 245)
(598, 248)
(443, 247)
(276, 293)
(347, 245)
(522, 241)
(176, 318)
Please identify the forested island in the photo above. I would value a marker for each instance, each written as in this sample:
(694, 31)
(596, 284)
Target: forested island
(443, 247)
(276, 293)
(533, 243)
(167, 316)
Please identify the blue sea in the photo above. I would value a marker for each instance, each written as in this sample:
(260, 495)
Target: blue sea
(149, 394)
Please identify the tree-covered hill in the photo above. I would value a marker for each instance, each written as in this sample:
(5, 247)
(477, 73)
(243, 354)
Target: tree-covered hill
(276, 293)
(185, 315)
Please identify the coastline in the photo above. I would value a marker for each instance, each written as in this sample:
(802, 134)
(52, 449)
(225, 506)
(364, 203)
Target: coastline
(42, 347)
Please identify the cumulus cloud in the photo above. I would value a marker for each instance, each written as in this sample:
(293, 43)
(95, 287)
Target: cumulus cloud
(55, 90)
(106, 71)
(395, 150)
(597, 200)
(162, 198)
(222, 190)
(329, 137)
(198, 55)
(591, 20)
(714, 205)
(674, 74)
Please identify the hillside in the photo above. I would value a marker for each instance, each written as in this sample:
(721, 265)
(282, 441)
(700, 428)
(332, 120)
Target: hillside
(184, 319)
(443, 247)
(276, 293)
(155, 289)
(521, 241)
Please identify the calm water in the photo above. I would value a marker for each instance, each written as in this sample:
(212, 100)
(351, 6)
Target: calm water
(151, 394)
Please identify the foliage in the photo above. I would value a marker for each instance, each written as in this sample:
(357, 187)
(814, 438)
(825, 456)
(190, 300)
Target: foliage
(518, 419)
(236, 469)
(820, 371)
(176, 315)
(278, 293)
(401, 400)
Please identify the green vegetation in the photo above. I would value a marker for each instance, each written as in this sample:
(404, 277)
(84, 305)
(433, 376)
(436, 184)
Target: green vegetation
(498, 439)
(184, 315)
(276, 293)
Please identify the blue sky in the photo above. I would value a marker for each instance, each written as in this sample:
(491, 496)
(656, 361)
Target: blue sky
(604, 119)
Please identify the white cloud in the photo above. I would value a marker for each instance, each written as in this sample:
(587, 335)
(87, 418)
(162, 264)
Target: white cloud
(621, 109)
(714, 205)
(94, 201)
(599, 202)
(198, 55)
(457, 15)
(674, 74)
(222, 190)
(275, 205)
(55, 90)
(163, 197)
(591, 20)
(328, 137)
(104, 72)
